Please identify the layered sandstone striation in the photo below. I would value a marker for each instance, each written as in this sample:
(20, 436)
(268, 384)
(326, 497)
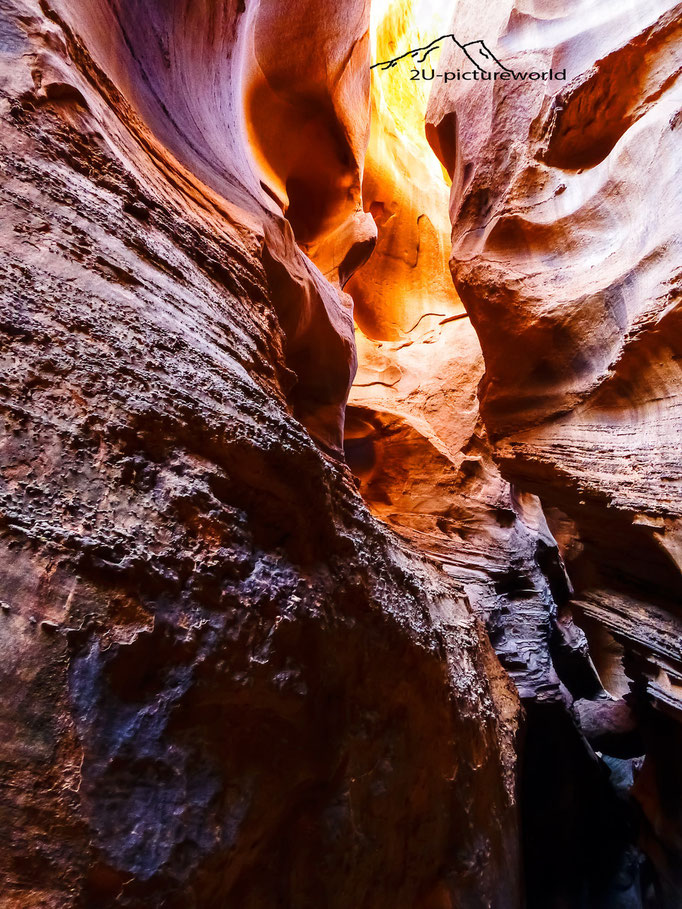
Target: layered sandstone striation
(225, 683)
(556, 509)
(566, 256)
(229, 682)
(414, 437)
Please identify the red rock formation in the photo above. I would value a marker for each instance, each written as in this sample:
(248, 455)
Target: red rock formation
(224, 682)
(306, 96)
(425, 465)
(417, 443)
(566, 256)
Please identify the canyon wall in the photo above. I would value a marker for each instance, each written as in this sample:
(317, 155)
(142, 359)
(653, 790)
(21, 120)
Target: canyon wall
(426, 465)
(224, 682)
(566, 255)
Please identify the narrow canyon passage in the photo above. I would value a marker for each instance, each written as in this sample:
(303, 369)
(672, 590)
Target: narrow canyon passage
(415, 441)
(502, 524)
(340, 494)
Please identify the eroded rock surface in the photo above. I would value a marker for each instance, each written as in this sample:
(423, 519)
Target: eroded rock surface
(566, 256)
(414, 437)
(224, 683)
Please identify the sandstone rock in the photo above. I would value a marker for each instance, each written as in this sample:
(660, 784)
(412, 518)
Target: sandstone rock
(425, 466)
(610, 726)
(224, 682)
(566, 256)
(417, 444)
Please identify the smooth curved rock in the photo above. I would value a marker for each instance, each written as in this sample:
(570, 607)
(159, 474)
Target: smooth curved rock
(566, 255)
(177, 78)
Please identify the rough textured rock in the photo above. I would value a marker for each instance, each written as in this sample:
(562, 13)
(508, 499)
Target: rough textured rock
(570, 285)
(415, 441)
(566, 256)
(225, 684)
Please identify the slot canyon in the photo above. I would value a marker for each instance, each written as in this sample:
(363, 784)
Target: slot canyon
(341, 485)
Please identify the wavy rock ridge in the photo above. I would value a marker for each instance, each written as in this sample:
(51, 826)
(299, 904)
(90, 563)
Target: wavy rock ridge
(566, 256)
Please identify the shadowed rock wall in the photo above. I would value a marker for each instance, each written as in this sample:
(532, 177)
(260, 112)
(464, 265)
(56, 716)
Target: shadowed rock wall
(224, 683)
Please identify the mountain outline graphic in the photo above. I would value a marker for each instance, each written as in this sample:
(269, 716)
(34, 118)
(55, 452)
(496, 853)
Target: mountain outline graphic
(472, 49)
